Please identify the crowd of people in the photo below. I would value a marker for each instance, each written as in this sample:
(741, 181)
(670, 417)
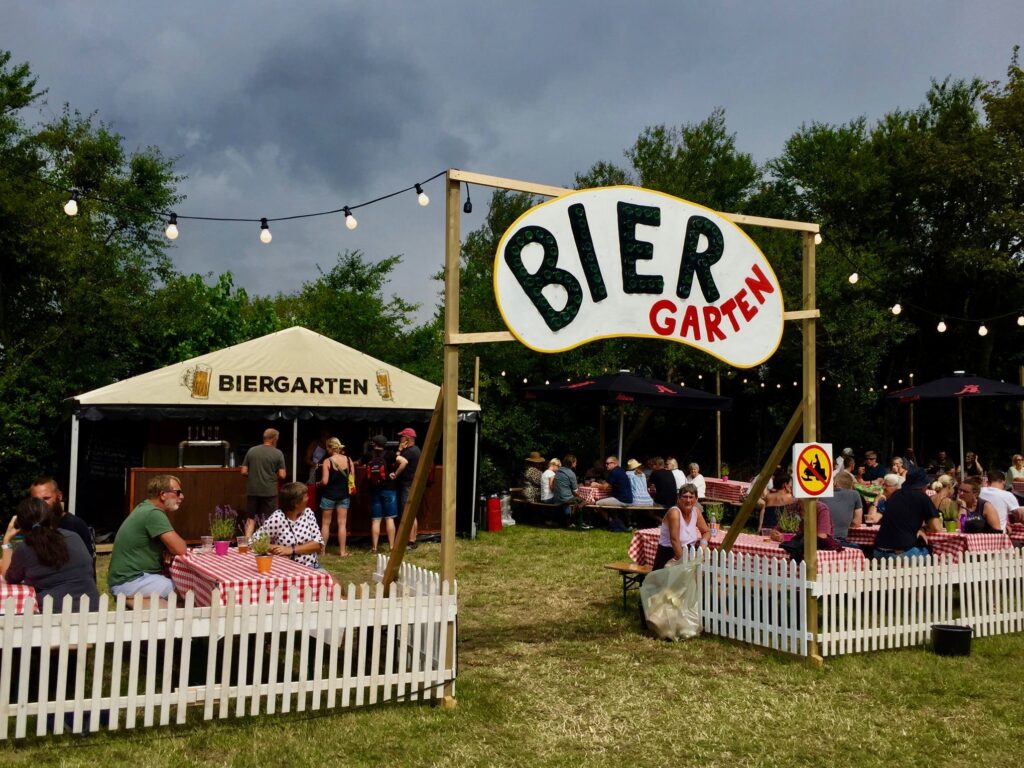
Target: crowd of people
(55, 553)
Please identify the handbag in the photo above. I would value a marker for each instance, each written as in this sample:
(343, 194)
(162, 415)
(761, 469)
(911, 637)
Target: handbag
(351, 480)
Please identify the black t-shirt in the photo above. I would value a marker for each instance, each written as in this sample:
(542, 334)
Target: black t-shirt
(905, 512)
(665, 492)
(412, 455)
(876, 472)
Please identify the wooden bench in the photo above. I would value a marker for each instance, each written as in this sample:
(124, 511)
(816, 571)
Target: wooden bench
(633, 576)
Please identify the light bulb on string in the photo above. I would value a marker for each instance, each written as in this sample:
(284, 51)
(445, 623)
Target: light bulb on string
(172, 227)
(502, 373)
(350, 220)
(1020, 320)
(468, 207)
(265, 235)
(941, 327)
(854, 278)
(524, 380)
(817, 238)
(896, 308)
(982, 330)
(421, 196)
(71, 206)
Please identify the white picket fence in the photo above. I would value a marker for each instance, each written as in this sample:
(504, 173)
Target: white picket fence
(875, 605)
(894, 603)
(122, 667)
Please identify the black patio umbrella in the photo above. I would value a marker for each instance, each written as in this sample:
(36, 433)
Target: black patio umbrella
(960, 387)
(623, 388)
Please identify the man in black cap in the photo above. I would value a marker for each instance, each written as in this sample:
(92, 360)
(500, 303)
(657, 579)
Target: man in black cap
(907, 512)
(404, 473)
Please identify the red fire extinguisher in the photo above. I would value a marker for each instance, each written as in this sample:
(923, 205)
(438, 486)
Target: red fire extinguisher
(494, 513)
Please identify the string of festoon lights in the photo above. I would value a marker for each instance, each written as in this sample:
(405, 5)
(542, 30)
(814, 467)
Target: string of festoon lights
(77, 198)
(942, 326)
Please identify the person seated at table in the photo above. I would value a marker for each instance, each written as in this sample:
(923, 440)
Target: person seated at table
(547, 481)
(620, 491)
(697, 479)
(940, 465)
(840, 462)
(982, 516)
(909, 458)
(995, 493)
(293, 529)
(682, 526)
(666, 492)
(872, 470)
(972, 467)
(772, 502)
(638, 480)
(145, 539)
(822, 528)
(565, 492)
(897, 467)
(1016, 470)
(943, 500)
(51, 560)
(909, 513)
(673, 466)
(845, 507)
(874, 509)
(595, 473)
(531, 476)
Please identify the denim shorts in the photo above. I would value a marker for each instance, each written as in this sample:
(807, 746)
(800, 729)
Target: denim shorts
(145, 584)
(326, 503)
(383, 504)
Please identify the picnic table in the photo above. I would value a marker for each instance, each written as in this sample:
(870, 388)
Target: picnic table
(644, 547)
(725, 491)
(203, 572)
(946, 543)
(20, 592)
(1016, 533)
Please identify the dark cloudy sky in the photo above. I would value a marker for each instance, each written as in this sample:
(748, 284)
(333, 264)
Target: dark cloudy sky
(274, 109)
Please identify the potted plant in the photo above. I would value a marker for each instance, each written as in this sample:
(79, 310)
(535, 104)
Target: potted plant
(789, 521)
(725, 471)
(222, 528)
(260, 546)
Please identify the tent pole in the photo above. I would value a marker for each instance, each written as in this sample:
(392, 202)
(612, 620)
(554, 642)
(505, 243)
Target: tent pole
(960, 420)
(73, 470)
(476, 472)
(810, 398)
(295, 449)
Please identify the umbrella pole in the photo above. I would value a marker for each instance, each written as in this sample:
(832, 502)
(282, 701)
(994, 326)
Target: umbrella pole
(960, 419)
(622, 421)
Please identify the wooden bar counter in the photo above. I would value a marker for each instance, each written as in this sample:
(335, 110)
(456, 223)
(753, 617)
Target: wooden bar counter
(209, 487)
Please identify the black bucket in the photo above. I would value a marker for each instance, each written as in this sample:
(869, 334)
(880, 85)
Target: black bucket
(951, 640)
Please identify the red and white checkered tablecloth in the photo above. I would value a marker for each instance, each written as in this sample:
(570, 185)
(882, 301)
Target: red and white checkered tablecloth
(20, 593)
(949, 544)
(862, 534)
(727, 491)
(1016, 532)
(590, 494)
(1018, 485)
(644, 547)
(203, 572)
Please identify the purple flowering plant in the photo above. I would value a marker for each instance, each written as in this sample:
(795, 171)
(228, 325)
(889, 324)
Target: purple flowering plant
(222, 523)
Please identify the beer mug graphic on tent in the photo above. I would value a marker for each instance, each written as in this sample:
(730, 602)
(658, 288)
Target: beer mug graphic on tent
(384, 385)
(197, 380)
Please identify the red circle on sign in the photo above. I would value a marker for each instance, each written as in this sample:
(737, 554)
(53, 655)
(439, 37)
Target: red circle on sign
(813, 470)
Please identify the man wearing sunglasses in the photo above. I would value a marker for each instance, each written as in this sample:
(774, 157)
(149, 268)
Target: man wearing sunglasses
(142, 541)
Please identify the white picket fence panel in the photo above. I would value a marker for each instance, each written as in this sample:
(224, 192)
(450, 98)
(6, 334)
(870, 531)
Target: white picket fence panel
(244, 659)
(862, 607)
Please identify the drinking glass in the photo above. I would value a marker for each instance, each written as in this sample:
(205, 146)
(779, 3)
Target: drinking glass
(243, 545)
(207, 544)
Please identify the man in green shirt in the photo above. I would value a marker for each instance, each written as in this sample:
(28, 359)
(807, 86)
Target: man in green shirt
(136, 563)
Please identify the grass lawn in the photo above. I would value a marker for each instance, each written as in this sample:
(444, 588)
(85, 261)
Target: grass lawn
(552, 671)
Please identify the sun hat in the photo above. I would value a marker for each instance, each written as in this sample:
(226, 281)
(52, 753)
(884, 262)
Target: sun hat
(535, 458)
(379, 440)
(632, 464)
(408, 432)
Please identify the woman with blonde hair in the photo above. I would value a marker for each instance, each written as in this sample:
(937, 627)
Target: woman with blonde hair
(943, 499)
(334, 474)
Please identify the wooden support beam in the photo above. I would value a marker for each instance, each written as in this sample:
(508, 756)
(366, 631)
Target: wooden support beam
(774, 459)
(484, 337)
(498, 182)
(810, 387)
(801, 314)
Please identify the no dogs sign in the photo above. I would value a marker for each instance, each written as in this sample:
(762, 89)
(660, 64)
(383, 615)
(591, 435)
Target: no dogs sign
(812, 470)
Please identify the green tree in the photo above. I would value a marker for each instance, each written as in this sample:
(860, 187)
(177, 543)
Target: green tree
(73, 290)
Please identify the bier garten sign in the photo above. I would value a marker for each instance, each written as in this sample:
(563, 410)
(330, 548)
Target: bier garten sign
(625, 261)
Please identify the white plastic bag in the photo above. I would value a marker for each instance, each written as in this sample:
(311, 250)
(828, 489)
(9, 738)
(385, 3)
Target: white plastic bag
(671, 601)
